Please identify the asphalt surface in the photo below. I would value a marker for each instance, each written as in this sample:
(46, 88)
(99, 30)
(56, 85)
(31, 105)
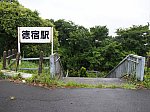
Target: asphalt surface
(37, 99)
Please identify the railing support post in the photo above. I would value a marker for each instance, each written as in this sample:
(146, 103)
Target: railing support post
(17, 60)
(4, 59)
(140, 69)
(9, 53)
(40, 63)
(13, 52)
(52, 66)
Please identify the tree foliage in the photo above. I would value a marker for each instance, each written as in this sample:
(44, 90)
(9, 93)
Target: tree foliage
(14, 15)
(135, 38)
(92, 49)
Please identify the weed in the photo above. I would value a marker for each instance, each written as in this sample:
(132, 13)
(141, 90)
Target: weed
(129, 86)
(16, 76)
(99, 86)
(2, 76)
(146, 81)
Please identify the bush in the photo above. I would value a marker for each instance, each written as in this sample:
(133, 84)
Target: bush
(73, 73)
(102, 74)
(92, 75)
(83, 72)
(146, 81)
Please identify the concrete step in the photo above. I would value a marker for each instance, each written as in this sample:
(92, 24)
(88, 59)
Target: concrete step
(94, 81)
(13, 73)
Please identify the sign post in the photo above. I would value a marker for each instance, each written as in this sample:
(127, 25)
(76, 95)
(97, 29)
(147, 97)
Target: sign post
(52, 41)
(18, 40)
(37, 35)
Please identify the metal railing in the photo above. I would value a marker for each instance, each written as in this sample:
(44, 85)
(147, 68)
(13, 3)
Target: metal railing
(130, 65)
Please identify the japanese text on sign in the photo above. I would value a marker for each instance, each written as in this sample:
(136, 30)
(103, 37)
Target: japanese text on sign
(35, 34)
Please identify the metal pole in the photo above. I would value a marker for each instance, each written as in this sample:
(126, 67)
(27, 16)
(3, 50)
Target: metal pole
(19, 51)
(52, 41)
(18, 40)
(52, 66)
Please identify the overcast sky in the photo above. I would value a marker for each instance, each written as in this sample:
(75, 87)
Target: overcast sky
(88, 13)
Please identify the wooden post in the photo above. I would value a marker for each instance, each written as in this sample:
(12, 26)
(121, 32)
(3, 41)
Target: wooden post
(9, 53)
(4, 59)
(148, 61)
(40, 63)
(17, 61)
(13, 52)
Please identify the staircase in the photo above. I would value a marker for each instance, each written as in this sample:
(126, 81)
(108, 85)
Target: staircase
(94, 81)
(130, 65)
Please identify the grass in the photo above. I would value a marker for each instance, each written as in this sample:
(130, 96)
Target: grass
(1, 64)
(112, 86)
(45, 80)
(140, 84)
(146, 82)
(27, 64)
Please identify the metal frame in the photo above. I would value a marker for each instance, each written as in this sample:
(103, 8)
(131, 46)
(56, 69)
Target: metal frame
(130, 65)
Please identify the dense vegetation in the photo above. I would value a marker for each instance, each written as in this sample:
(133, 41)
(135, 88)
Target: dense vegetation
(14, 15)
(80, 48)
(94, 49)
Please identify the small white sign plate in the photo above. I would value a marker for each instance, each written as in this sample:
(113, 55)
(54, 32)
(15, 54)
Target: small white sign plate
(35, 34)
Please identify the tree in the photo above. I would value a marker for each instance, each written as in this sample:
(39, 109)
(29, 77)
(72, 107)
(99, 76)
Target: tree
(74, 41)
(64, 28)
(107, 56)
(98, 34)
(134, 39)
(14, 15)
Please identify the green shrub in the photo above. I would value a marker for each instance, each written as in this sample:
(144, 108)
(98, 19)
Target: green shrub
(102, 74)
(2, 76)
(73, 73)
(146, 81)
(83, 72)
(96, 74)
(17, 76)
(92, 75)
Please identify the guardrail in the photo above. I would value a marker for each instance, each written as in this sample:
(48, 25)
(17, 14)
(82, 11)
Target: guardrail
(130, 65)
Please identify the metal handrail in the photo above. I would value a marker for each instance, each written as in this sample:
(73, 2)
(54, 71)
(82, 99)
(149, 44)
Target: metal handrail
(129, 65)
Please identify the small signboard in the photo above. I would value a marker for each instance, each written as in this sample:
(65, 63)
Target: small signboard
(35, 34)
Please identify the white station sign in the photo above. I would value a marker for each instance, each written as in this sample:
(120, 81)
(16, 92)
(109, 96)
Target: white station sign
(35, 34)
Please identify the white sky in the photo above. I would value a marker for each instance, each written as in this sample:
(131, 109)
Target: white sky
(88, 13)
